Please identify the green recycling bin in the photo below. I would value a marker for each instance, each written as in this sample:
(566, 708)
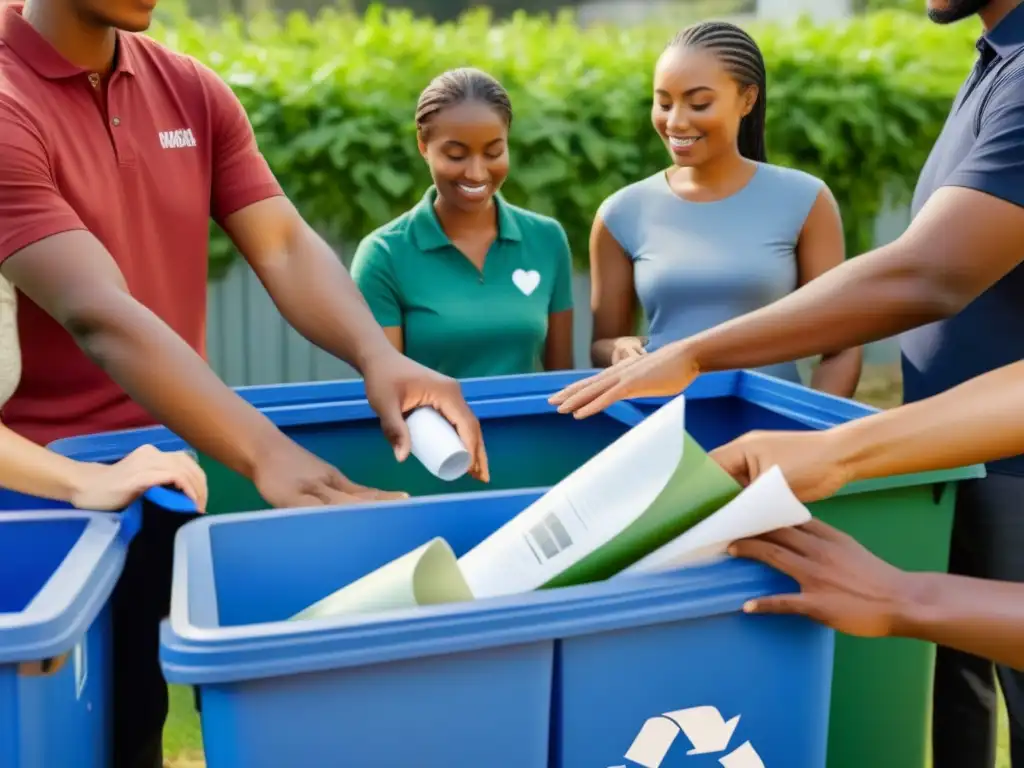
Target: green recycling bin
(881, 689)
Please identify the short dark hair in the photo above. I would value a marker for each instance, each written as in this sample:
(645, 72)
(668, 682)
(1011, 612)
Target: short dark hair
(740, 54)
(457, 86)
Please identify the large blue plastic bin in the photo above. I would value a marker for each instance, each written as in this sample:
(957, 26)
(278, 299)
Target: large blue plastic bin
(528, 444)
(57, 571)
(561, 678)
(880, 686)
(481, 388)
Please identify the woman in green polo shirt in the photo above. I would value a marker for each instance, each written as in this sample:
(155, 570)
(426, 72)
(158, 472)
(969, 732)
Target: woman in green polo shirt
(465, 282)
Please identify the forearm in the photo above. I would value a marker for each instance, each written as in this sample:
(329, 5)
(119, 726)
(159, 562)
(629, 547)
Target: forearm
(838, 374)
(316, 295)
(976, 422)
(174, 384)
(871, 297)
(31, 469)
(980, 617)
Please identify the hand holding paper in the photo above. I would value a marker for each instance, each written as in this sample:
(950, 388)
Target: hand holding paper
(437, 445)
(765, 505)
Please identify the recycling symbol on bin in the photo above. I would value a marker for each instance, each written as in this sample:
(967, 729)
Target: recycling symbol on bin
(705, 728)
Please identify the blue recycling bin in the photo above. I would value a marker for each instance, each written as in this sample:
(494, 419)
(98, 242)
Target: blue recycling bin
(479, 388)
(528, 445)
(58, 569)
(880, 687)
(655, 667)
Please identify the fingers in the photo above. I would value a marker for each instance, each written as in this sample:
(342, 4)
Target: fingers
(150, 467)
(195, 479)
(577, 386)
(734, 461)
(340, 486)
(826, 532)
(588, 403)
(793, 604)
(392, 424)
(155, 477)
(597, 387)
(771, 553)
(794, 539)
(467, 426)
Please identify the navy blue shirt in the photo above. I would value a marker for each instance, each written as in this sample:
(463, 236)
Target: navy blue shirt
(981, 147)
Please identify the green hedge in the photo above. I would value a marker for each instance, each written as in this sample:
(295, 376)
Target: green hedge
(332, 99)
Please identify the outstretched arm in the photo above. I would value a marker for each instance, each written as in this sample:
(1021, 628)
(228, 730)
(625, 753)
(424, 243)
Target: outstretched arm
(976, 422)
(964, 240)
(847, 588)
(313, 290)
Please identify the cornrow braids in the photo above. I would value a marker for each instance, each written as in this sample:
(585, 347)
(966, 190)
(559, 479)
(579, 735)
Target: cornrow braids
(457, 86)
(741, 56)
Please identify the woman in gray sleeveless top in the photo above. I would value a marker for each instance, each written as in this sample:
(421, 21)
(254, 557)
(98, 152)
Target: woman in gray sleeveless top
(722, 232)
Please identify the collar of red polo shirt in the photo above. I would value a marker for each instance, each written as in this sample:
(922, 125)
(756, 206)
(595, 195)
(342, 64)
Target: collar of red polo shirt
(32, 48)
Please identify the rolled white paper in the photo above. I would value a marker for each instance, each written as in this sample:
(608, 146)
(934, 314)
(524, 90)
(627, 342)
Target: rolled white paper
(437, 445)
(766, 505)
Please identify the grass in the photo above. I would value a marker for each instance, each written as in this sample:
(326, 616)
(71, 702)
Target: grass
(183, 738)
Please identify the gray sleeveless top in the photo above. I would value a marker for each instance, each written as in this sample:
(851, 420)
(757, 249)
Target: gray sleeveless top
(696, 265)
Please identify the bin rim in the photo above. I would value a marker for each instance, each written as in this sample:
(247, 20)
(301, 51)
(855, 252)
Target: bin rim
(818, 410)
(111, 446)
(62, 611)
(528, 394)
(197, 655)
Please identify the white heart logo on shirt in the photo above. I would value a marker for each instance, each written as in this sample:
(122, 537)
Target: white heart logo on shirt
(526, 282)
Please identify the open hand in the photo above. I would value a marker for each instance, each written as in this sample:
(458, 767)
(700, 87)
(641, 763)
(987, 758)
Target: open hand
(115, 486)
(666, 372)
(843, 585)
(808, 461)
(290, 476)
(396, 385)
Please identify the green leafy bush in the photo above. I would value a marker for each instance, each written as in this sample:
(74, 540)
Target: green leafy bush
(332, 99)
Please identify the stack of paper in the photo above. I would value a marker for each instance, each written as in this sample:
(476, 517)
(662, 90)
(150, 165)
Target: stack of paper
(653, 500)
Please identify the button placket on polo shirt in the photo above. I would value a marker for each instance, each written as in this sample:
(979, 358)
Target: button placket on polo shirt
(118, 114)
(111, 106)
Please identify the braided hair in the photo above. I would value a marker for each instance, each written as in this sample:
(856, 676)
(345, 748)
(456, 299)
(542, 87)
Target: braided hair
(742, 58)
(457, 86)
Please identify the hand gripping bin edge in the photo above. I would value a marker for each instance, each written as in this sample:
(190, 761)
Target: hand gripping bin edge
(562, 678)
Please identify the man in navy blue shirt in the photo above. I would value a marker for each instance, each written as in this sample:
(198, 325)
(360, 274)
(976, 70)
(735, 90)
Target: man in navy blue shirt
(953, 285)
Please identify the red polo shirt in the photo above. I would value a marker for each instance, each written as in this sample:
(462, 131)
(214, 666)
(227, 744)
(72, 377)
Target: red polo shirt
(143, 172)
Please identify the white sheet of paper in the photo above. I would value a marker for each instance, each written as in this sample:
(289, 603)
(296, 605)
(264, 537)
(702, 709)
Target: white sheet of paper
(584, 511)
(437, 445)
(765, 505)
(429, 575)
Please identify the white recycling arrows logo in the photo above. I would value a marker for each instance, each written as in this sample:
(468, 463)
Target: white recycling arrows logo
(704, 727)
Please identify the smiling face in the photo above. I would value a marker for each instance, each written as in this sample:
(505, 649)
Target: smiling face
(698, 105)
(466, 147)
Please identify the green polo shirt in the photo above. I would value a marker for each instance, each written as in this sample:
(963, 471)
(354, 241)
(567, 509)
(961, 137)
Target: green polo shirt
(455, 318)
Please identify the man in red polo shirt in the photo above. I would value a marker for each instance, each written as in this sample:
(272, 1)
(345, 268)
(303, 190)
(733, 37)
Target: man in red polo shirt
(114, 153)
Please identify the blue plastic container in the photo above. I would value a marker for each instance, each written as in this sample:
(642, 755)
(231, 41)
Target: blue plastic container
(562, 678)
(528, 444)
(483, 388)
(57, 572)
